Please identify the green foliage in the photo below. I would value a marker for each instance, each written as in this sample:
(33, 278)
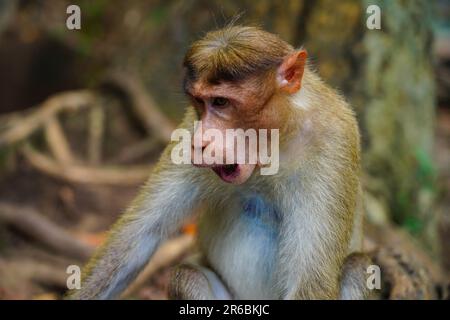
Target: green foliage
(414, 225)
(6, 156)
(426, 171)
(157, 16)
(93, 24)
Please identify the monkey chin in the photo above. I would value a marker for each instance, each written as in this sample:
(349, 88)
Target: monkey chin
(234, 173)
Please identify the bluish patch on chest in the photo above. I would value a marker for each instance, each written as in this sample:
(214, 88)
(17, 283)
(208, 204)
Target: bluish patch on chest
(260, 213)
(260, 219)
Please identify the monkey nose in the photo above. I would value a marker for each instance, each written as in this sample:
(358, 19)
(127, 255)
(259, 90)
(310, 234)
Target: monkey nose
(199, 163)
(198, 144)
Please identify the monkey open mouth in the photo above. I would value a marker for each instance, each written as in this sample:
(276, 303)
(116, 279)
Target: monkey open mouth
(227, 172)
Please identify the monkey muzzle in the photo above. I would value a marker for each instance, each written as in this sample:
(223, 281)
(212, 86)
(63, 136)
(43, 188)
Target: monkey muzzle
(231, 173)
(234, 173)
(227, 172)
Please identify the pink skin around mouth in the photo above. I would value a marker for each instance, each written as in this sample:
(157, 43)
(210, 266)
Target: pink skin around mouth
(227, 172)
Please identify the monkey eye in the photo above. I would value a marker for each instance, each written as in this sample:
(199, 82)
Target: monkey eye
(219, 102)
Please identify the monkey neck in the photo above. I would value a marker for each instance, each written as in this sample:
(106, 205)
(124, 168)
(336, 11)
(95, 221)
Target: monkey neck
(296, 110)
(298, 132)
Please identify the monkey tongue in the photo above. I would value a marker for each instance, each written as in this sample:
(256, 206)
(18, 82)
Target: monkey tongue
(228, 172)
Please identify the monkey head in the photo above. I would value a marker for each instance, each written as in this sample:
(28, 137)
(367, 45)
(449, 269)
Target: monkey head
(240, 78)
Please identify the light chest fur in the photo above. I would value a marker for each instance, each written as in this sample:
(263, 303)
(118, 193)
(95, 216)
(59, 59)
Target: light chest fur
(241, 244)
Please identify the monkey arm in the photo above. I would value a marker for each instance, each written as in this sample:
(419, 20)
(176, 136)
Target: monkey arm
(157, 212)
(168, 197)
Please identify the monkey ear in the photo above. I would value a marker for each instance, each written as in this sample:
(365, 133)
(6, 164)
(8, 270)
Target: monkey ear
(290, 72)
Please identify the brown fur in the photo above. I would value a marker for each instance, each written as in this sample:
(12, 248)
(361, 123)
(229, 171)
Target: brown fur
(321, 181)
(233, 54)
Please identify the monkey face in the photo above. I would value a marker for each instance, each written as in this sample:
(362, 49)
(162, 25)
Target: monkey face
(239, 100)
(226, 137)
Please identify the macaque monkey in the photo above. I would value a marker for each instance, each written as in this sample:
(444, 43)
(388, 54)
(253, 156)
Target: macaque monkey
(295, 234)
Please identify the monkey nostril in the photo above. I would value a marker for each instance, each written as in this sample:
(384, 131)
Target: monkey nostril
(199, 145)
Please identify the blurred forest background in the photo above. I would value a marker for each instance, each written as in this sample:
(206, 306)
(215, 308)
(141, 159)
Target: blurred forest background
(85, 113)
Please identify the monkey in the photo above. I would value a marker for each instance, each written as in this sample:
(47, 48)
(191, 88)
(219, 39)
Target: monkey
(295, 234)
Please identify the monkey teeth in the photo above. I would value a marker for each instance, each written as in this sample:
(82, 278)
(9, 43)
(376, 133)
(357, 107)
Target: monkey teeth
(227, 172)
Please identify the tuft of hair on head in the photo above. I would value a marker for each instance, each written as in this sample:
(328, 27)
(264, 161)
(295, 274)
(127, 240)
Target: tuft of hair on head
(233, 54)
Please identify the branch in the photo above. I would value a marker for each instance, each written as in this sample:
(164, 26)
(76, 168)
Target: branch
(28, 270)
(406, 270)
(96, 130)
(38, 227)
(134, 151)
(144, 106)
(82, 174)
(57, 141)
(22, 128)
